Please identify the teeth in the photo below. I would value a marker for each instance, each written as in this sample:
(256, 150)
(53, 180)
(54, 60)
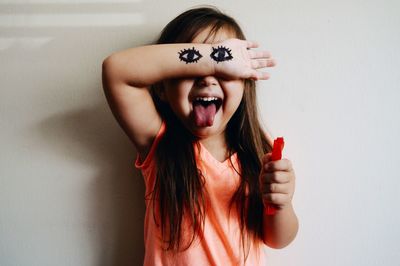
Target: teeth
(206, 99)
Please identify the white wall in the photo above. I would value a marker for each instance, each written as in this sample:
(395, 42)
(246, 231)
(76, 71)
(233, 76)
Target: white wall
(69, 194)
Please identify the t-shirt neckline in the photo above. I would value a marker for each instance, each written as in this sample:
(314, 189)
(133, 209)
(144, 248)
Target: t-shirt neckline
(205, 152)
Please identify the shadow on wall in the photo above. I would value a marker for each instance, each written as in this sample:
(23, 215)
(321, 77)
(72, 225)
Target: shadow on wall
(115, 196)
(52, 52)
(58, 48)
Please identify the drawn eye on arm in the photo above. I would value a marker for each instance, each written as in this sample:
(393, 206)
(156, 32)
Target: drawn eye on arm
(189, 55)
(221, 54)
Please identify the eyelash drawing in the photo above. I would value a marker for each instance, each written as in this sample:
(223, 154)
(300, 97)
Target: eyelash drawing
(221, 54)
(189, 55)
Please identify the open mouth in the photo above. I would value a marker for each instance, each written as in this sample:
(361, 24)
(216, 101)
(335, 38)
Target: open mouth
(206, 101)
(204, 109)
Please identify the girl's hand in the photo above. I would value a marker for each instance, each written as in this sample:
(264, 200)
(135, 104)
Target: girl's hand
(277, 181)
(233, 59)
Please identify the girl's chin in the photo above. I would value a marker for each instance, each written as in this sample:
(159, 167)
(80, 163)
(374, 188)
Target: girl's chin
(205, 132)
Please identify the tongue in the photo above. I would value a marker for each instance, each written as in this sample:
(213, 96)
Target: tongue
(204, 115)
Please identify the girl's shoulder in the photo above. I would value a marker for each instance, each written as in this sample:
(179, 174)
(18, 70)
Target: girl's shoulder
(144, 159)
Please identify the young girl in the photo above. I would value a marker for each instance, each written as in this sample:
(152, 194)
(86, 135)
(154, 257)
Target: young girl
(188, 103)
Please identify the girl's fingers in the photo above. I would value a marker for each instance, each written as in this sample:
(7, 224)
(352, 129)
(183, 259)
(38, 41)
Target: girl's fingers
(266, 158)
(259, 54)
(258, 75)
(252, 44)
(262, 75)
(255, 64)
(261, 63)
(271, 63)
(275, 188)
(254, 75)
(276, 177)
(276, 198)
(280, 165)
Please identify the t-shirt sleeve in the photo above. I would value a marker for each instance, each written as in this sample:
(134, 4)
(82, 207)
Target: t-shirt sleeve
(143, 165)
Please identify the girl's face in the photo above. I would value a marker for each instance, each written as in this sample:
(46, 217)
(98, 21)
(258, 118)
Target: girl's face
(183, 97)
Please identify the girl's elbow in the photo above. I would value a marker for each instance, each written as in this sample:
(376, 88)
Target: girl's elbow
(275, 245)
(280, 243)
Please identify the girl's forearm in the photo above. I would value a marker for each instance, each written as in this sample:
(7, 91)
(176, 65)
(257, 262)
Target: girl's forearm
(146, 65)
(280, 229)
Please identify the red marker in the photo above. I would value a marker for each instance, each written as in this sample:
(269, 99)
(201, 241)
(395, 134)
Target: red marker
(276, 155)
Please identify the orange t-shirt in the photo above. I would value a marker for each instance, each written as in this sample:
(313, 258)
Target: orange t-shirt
(221, 242)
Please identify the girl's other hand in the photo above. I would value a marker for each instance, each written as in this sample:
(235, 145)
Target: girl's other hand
(234, 59)
(277, 181)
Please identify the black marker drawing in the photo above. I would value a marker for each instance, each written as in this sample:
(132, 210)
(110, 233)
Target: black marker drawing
(190, 55)
(221, 54)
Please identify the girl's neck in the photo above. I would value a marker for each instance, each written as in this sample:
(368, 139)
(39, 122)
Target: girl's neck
(216, 145)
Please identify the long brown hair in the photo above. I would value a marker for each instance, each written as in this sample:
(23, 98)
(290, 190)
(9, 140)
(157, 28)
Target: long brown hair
(179, 183)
